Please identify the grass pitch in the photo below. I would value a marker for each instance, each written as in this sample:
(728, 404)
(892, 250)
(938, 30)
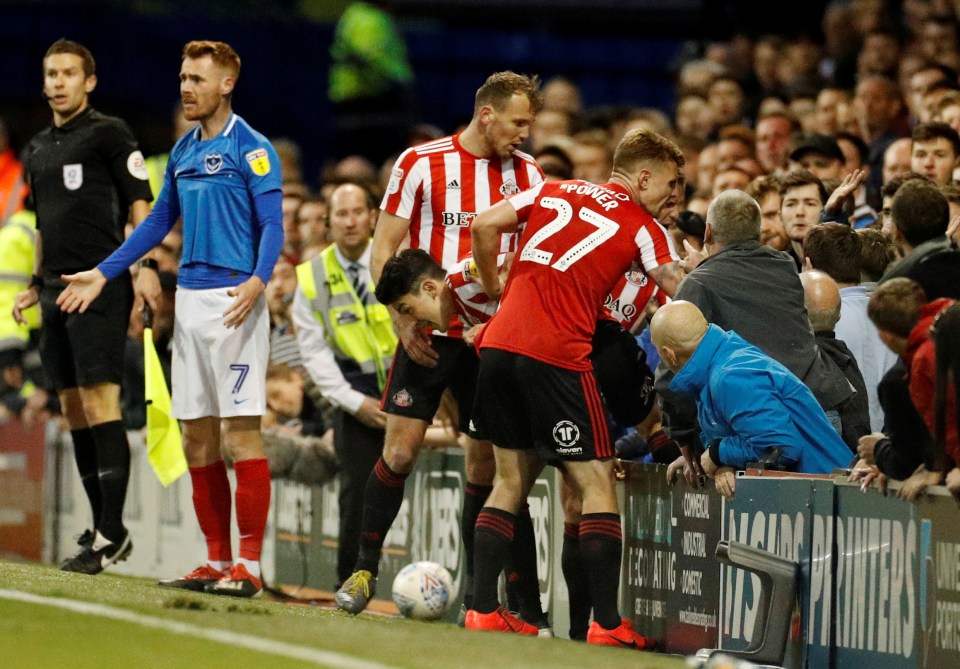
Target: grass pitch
(130, 622)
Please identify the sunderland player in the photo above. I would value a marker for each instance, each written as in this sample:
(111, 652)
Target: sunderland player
(414, 285)
(537, 398)
(417, 287)
(434, 193)
(223, 178)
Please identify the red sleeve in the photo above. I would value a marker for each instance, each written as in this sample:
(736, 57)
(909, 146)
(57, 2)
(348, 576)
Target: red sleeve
(923, 376)
(523, 202)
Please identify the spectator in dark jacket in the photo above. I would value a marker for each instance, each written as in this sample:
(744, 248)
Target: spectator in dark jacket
(822, 299)
(903, 316)
(921, 215)
(837, 250)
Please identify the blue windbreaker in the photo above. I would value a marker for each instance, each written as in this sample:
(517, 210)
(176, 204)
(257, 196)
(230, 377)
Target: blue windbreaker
(750, 402)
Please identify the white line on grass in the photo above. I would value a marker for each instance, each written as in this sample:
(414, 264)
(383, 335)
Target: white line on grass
(321, 657)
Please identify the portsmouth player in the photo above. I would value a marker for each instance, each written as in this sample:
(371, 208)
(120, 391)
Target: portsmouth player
(435, 191)
(223, 178)
(537, 397)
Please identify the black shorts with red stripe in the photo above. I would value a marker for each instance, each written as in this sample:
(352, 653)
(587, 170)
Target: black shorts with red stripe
(620, 366)
(525, 404)
(414, 391)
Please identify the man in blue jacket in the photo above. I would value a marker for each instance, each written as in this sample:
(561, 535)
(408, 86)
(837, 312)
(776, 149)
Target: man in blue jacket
(747, 402)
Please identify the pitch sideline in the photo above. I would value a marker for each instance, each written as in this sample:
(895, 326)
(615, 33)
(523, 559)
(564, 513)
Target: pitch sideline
(320, 657)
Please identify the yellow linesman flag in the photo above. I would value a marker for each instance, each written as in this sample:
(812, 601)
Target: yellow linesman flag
(164, 447)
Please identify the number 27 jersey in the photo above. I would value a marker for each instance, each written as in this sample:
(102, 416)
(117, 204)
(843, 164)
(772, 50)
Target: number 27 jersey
(578, 240)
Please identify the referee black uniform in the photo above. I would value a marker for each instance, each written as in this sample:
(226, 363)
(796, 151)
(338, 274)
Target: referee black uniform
(83, 178)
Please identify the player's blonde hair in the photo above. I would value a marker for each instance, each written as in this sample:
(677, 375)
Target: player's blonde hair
(641, 146)
(501, 86)
(221, 53)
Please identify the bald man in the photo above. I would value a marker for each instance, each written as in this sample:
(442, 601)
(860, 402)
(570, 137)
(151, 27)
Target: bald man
(897, 158)
(754, 291)
(821, 295)
(747, 402)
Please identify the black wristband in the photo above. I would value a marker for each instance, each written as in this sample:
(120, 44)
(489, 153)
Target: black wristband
(150, 263)
(36, 281)
(714, 451)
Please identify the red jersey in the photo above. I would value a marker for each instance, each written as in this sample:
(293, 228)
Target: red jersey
(579, 240)
(440, 187)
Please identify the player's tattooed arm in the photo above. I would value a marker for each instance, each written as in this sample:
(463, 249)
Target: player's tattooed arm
(668, 277)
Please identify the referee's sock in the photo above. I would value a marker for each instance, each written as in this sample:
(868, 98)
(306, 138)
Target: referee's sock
(492, 538)
(521, 568)
(113, 471)
(601, 542)
(85, 453)
(475, 496)
(253, 505)
(578, 583)
(381, 504)
(211, 502)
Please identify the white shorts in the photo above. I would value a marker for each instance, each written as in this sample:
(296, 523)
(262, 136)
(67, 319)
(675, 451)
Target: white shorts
(218, 371)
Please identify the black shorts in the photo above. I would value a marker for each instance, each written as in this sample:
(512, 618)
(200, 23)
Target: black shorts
(620, 366)
(414, 391)
(525, 404)
(85, 349)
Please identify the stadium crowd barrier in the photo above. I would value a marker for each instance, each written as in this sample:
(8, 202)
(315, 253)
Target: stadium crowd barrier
(879, 577)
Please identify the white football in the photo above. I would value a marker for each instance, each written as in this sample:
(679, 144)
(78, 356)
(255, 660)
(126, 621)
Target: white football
(423, 591)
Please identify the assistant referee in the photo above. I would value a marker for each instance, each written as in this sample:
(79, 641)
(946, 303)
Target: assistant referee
(86, 175)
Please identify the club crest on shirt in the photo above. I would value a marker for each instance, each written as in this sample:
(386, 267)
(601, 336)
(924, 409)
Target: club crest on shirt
(402, 398)
(509, 188)
(73, 176)
(637, 278)
(212, 163)
(259, 162)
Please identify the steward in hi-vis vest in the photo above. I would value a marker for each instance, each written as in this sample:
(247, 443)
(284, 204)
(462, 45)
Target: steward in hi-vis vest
(347, 343)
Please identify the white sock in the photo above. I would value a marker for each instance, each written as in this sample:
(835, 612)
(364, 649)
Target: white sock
(220, 566)
(253, 566)
(100, 541)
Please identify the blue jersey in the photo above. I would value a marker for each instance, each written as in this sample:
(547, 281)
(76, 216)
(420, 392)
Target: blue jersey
(219, 187)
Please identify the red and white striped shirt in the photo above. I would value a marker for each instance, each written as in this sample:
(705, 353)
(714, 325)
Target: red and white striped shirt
(473, 305)
(628, 299)
(440, 187)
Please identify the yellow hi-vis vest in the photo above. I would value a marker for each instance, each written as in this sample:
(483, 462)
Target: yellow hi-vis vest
(18, 245)
(355, 331)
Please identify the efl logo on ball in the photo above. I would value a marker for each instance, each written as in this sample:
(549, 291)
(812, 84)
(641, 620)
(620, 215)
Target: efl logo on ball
(423, 591)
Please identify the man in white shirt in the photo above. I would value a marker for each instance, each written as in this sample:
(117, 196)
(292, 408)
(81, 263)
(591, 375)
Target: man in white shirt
(347, 342)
